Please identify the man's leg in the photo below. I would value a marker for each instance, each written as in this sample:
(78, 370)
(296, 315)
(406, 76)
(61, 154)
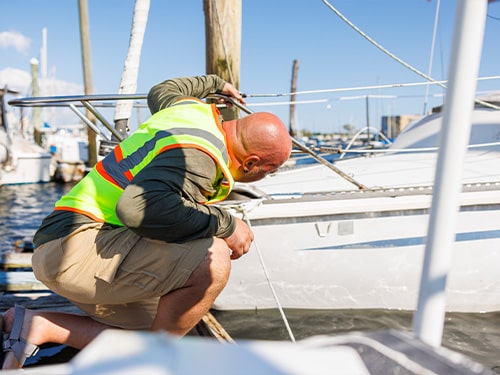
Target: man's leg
(181, 309)
(178, 311)
(41, 327)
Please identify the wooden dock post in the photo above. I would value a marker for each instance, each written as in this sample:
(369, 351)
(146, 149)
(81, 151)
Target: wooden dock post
(223, 43)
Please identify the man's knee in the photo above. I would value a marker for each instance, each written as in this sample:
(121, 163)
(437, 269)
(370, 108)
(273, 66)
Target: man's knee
(220, 260)
(214, 269)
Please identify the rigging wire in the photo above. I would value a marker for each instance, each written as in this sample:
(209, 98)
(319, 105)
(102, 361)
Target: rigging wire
(493, 17)
(393, 56)
(357, 88)
(431, 57)
(431, 81)
(337, 150)
(379, 46)
(291, 102)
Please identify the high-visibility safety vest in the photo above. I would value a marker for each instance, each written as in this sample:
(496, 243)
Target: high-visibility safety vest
(188, 123)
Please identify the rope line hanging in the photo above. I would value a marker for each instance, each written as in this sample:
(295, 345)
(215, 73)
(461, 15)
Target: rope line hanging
(268, 279)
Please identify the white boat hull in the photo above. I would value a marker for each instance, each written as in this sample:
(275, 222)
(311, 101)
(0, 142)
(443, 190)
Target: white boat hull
(337, 259)
(30, 164)
(327, 245)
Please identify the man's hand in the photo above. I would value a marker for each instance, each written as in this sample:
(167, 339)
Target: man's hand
(230, 90)
(241, 240)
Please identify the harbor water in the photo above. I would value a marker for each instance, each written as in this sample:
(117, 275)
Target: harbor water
(22, 208)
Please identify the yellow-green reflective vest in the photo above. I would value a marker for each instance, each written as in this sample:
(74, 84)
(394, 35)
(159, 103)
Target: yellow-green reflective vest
(188, 123)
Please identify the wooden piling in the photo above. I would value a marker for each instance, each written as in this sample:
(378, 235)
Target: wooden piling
(223, 43)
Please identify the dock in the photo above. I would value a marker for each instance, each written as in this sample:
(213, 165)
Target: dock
(18, 285)
(16, 274)
(15, 260)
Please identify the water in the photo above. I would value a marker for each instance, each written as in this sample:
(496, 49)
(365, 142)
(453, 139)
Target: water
(22, 208)
(474, 335)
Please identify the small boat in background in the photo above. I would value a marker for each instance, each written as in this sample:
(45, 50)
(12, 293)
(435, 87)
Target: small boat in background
(61, 156)
(68, 146)
(22, 161)
(361, 144)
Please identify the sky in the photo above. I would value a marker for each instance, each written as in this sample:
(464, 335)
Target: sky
(330, 54)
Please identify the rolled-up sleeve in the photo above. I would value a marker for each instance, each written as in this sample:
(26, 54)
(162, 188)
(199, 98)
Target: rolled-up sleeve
(164, 201)
(168, 92)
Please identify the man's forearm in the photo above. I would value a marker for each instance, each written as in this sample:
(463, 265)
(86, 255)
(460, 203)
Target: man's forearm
(179, 220)
(168, 92)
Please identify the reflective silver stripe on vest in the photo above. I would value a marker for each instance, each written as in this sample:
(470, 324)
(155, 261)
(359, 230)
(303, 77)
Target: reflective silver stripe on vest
(117, 169)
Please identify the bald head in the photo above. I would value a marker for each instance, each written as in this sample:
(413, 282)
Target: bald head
(258, 144)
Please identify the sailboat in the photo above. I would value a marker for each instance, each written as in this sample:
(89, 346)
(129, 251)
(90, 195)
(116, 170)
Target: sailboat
(325, 242)
(353, 235)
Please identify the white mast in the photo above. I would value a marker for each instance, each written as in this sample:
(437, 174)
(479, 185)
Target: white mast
(455, 133)
(43, 55)
(128, 83)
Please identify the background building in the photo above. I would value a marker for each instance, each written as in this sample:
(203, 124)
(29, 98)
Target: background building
(393, 125)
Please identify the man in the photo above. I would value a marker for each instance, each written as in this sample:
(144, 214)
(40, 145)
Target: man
(137, 244)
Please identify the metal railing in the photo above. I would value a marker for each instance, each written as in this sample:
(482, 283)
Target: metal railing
(91, 102)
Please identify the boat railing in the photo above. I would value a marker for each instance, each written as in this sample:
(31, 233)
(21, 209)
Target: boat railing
(337, 150)
(369, 130)
(89, 102)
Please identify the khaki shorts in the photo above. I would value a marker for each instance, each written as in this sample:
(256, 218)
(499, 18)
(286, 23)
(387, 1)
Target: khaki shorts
(114, 275)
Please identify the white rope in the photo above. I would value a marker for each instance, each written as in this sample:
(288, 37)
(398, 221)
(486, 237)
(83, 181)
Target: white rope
(264, 268)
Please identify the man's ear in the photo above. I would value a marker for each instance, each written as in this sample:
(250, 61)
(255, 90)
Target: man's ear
(250, 162)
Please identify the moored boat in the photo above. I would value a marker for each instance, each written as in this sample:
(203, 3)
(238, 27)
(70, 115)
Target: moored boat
(22, 161)
(324, 243)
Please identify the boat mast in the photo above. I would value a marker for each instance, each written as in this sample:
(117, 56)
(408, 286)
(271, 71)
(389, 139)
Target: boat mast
(128, 85)
(35, 90)
(293, 130)
(455, 133)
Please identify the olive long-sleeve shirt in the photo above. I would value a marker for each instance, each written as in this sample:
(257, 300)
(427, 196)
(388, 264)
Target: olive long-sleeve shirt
(164, 201)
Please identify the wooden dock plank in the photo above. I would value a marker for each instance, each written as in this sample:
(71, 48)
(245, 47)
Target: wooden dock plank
(15, 260)
(14, 281)
(36, 300)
